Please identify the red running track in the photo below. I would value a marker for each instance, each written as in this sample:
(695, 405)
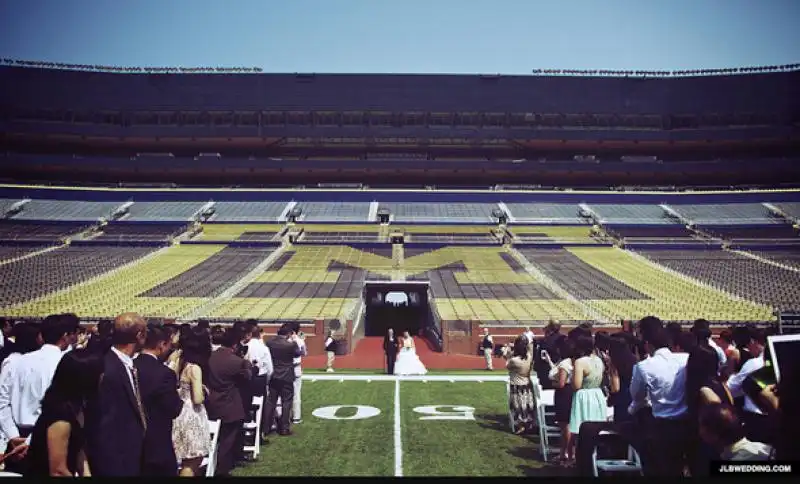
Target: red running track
(368, 355)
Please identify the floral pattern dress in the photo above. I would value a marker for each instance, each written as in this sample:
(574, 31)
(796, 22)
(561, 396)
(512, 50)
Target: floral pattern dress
(190, 435)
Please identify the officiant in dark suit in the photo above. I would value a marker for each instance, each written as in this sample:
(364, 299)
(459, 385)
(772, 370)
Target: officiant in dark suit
(390, 346)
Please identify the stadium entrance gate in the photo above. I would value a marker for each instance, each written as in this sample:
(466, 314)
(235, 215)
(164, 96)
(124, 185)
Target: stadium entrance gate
(401, 305)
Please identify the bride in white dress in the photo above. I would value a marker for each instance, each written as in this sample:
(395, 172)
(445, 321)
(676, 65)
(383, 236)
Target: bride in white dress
(408, 363)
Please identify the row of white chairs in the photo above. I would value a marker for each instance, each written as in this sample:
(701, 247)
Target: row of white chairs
(545, 403)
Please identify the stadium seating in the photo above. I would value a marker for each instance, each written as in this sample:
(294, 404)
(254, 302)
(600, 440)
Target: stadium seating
(550, 233)
(769, 232)
(334, 211)
(162, 211)
(30, 278)
(440, 212)
(8, 252)
(139, 232)
(118, 291)
(727, 214)
(659, 232)
(6, 204)
(736, 274)
(49, 231)
(790, 209)
(67, 210)
(631, 214)
(248, 211)
(789, 258)
(666, 292)
(563, 213)
(224, 232)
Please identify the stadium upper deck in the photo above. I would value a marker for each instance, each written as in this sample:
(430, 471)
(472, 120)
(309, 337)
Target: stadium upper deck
(335, 127)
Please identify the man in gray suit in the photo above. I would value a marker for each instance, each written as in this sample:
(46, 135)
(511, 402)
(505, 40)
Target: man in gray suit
(283, 350)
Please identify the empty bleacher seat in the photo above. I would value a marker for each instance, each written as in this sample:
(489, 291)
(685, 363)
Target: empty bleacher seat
(441, 212)
(166, 211)
(727, 213)
(248, 211)
(335, 211)
(545, 212)
(632, 214)
(66, 210)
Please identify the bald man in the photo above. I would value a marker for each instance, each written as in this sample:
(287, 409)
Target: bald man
(115, 419)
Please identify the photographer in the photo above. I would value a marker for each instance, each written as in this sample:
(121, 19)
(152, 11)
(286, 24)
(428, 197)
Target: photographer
(299, 338)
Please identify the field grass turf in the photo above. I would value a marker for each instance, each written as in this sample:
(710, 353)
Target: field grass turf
(479, 446)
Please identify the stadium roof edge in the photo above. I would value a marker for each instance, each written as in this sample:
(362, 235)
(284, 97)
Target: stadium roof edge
(384, 190)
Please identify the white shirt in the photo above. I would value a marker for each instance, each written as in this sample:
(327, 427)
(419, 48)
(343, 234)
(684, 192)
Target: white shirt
(258, 353)
(662, 379)
(737, 379)
(566, 365)
(720, 353)
(127, 362)
(22, 387)
(529, 334)
(298, 360)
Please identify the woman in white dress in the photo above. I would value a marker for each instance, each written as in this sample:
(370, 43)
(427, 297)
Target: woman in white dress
(408, 363)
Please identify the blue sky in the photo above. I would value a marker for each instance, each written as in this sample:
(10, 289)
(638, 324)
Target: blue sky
(420, 36)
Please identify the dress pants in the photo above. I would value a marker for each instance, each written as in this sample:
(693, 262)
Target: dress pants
(487, 355)
(331, 358)
(230, 436)
(669, 446)
(285, 390)
(296, 413)
(259, 389)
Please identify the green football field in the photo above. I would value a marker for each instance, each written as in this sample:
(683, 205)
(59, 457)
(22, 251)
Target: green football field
(434, 428)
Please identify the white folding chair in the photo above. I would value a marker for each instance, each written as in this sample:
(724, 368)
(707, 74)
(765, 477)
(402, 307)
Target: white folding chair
(544, 399)
(254, 426)
(631, 464)
(210, 462)
(9, 474)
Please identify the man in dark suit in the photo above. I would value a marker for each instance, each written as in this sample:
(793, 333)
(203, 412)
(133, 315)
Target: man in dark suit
(390, 348)
(161, 401)
(115, 420)
(283, 350)
(229, 378)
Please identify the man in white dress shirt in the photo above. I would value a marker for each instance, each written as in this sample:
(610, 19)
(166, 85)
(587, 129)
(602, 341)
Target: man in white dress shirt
(300, 340)
(259, 355)
(660, 380)
(756, 424)
(27, 378)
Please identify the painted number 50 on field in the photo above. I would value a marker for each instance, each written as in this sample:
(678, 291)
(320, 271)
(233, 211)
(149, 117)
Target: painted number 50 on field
(427, 412)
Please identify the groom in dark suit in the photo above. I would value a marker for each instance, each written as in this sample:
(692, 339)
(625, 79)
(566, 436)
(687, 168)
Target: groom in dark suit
(161, 401)
(390, 348)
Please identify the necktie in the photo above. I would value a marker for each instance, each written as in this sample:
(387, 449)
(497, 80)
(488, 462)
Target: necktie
(138, 396)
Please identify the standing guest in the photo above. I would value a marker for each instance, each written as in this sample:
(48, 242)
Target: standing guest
(330, 350)
(281, 385)
(702, 389)
(487, 344)
(58, 442)
(675, 333)
(101, 341)
(161, 403)
(25, 381)
(71, 319)
(721, 429)
(684, 342)
(661, 381)
(589, 401)
(742, 338)
(6, 326)
(259, 355)
(621, 361)
(548, 345)
(27, 337)
(189, 434)
(390, 347)
(228, 375)
(300, 340)
(217, 336)
(702, 330)
(757, 425)
(531, 338)
(116, 421)
(561, 376)
(520, 398)
(732, 355)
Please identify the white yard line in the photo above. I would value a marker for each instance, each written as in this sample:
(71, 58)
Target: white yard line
(450, 378)
(398, 438)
